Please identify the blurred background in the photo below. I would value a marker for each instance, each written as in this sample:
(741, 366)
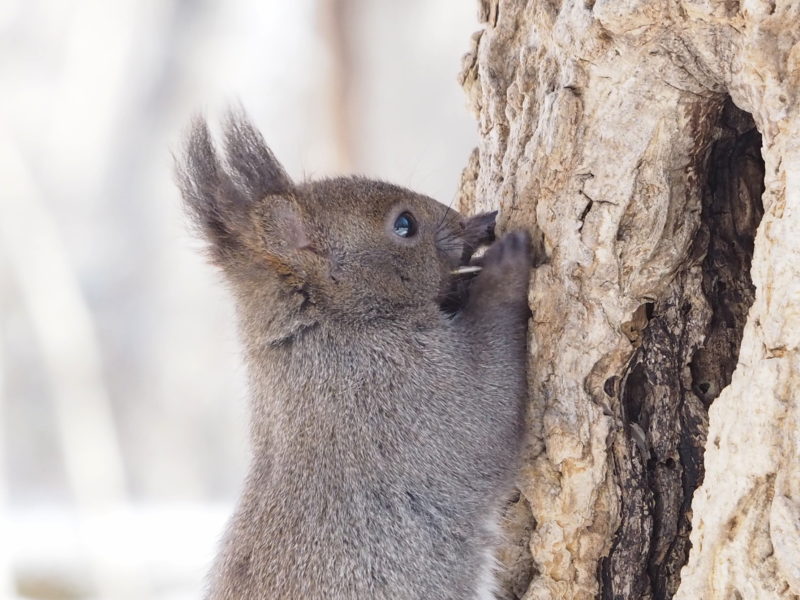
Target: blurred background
(122, 399)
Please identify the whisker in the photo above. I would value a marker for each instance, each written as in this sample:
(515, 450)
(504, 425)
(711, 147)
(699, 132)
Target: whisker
(444, 213)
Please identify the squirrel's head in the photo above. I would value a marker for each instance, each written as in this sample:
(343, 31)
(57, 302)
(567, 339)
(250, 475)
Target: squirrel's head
(351, 248)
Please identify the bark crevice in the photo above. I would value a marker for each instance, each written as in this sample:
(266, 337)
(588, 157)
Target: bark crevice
(687, 354)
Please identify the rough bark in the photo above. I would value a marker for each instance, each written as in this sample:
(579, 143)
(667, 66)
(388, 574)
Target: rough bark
(654, 148)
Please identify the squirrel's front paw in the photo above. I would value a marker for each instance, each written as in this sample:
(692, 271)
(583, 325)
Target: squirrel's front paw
(506, 272)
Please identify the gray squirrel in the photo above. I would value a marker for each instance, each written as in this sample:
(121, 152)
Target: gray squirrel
(387, 395)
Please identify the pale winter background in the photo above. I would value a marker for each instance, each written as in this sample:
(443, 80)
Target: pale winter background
(122, 402)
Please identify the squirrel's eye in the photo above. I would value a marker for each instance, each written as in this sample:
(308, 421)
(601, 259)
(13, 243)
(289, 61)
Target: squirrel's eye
(405, 225)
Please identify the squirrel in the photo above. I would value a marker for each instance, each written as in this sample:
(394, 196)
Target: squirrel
(387, 396)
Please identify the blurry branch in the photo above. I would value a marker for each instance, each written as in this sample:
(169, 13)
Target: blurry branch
(338, 31)
(63, 326)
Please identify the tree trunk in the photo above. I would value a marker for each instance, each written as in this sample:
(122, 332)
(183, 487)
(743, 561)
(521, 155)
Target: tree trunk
(654, 148)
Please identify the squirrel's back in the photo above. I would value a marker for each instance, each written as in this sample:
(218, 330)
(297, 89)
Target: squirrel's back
(343, 504)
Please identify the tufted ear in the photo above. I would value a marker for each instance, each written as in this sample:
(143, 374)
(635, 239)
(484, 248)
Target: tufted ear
(221, 195)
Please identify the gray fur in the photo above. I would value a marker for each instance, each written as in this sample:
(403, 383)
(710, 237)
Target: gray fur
(385, 433)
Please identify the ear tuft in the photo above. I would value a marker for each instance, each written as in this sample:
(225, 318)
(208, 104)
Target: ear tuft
(253, 166)
(220, 195)
(202, 179)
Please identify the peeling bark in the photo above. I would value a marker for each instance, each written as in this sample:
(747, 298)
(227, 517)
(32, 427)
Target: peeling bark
(643, 142)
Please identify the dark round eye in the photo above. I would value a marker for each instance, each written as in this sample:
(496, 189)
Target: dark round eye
(405, 225)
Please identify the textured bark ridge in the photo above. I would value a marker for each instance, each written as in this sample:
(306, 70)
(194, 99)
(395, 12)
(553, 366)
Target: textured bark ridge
(654, 148)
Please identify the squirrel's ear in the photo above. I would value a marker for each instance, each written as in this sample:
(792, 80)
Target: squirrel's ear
(254, 168)
(478, 231)
(221, 194)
